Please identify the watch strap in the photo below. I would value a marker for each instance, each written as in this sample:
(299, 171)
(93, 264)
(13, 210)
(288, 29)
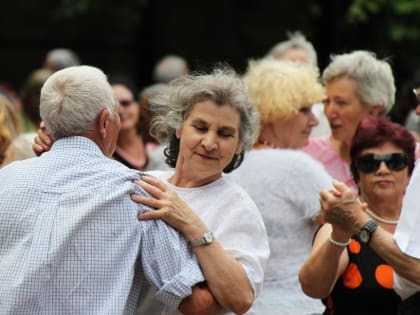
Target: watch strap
(207, 239)
(368, 228)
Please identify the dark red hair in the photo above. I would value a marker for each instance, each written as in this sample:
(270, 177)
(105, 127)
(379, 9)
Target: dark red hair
(372, 132)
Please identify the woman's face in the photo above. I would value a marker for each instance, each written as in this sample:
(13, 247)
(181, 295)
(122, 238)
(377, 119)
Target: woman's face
(129, 109)
(383, 182)
(209, 138)
(343, 108)
(294, 132)
(296, 54)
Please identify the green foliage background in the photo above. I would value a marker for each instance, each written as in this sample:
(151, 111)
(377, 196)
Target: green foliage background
(130, 35)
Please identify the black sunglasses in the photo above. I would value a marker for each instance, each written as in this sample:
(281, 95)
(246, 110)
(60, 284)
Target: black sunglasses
(369, 163)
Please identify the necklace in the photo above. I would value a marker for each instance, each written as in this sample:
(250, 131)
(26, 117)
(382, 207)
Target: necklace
(267, 143)
(379, 219)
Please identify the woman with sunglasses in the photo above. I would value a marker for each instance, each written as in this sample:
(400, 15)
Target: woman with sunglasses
(342, 269)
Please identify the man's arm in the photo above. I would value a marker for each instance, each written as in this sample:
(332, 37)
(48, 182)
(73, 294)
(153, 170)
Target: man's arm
(383, 243)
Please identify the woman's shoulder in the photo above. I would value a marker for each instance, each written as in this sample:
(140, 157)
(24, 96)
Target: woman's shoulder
(281, 165)
(160, 174)
(275, 156)
(318, 145)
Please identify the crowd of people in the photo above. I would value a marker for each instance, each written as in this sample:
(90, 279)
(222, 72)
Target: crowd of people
(283, 190)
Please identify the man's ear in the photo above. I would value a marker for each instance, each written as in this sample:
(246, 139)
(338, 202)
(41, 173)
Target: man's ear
(103, 122)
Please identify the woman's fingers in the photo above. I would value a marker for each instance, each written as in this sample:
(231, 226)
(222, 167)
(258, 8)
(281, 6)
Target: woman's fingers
(42, 141)
(155, 182)
(154, 191)
(151, 202)
(149, 215)
(38, 149)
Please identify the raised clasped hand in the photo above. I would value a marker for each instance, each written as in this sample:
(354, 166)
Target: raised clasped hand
(340, 207)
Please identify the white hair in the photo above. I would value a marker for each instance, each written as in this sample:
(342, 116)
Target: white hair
(72, 99)
(60, 58)
(168, 68)
(373, 77)
(295, 40)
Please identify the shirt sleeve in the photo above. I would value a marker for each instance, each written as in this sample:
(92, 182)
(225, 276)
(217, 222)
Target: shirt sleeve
(407, 233)
(168, 262)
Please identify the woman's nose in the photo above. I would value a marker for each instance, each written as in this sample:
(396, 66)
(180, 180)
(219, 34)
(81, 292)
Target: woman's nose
(313, 121)
(209, 142)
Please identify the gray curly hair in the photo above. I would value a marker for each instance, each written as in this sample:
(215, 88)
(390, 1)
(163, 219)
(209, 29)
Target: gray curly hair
(222, 86)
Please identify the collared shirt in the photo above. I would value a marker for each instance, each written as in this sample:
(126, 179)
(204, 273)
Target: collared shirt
(407, 233)
(70, 241)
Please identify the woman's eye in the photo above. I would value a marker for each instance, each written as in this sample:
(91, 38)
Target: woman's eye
(200, 128)
(305, 110)
(226, 134)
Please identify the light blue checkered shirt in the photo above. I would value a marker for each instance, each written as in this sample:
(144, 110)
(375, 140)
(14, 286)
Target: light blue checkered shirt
(70, 242)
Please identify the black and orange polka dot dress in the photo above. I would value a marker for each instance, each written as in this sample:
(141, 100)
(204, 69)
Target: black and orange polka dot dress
(366, 287)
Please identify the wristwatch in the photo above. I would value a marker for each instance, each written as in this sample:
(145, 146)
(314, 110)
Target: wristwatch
(207, 239)
(367, 230)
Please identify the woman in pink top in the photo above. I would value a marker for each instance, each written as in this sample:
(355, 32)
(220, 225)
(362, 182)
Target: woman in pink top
(357, 85)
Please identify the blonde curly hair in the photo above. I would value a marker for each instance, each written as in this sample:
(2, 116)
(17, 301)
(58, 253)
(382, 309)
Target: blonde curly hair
(9, 126)
(281, 88)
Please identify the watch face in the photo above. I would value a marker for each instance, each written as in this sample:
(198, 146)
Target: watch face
(364, 236)
(208, 237)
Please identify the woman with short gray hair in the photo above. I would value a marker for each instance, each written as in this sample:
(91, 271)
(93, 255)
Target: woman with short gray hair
(358, 84)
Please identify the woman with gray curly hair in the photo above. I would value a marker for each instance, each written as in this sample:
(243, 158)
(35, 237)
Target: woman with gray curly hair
(209, 122)
(358, 85)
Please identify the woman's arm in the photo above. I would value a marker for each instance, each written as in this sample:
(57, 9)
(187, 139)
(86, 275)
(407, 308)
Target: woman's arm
(225, 276)
(342, 207)
(201, 301)
(325, 264)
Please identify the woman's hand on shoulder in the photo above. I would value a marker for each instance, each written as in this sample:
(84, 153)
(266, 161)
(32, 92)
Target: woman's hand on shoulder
(42, 141)
(168, 207)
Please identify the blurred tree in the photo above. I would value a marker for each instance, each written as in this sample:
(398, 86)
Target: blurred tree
(398, 35)
(130, 35)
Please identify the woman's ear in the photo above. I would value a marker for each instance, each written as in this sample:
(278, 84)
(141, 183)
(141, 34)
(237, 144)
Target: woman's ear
(178, 133)
(376, 110)
(239, 149)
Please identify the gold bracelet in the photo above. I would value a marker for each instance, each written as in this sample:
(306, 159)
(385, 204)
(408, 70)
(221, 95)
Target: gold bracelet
(341, 244)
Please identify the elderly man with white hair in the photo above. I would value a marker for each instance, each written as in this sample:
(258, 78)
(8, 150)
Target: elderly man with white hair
(70, 242)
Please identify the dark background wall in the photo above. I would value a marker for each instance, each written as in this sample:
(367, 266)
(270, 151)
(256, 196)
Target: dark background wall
(129, 36)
